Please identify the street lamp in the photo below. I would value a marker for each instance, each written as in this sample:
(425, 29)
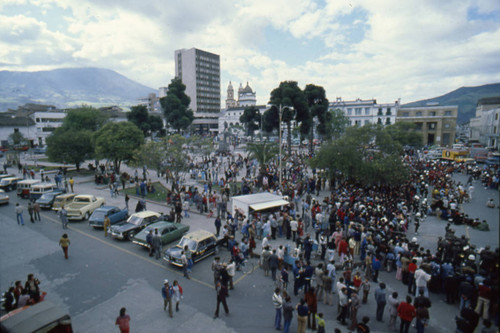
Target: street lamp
(280, 110)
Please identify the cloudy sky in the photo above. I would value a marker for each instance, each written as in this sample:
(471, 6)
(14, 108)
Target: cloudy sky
(383, 49)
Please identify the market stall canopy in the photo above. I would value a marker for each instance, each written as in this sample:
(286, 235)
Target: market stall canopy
(256, 202)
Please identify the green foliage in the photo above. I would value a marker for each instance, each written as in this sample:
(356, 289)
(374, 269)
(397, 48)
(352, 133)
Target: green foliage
(17, 138)
(367, 155)
(318, 107)
(176, 106)
(199, 145)
(151, 154)
(176, 154)
(263, 152)
(336, 124)
(140, 117)
(85, 118)
(66, 145)
(72, 142)
(117, 142)
(405, 134)
(252, 118)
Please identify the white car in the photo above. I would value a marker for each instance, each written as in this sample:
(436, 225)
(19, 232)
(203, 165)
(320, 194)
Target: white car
(4, 198)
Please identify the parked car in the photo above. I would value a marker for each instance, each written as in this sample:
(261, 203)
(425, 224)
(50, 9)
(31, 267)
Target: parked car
(4, 198)
(82, 206)
(40, 189)
(114, 213)
(202, 244)
(47, 199)
(168, 231)
(135, 223)
(24, 187)
(63, 200)
(9, 183)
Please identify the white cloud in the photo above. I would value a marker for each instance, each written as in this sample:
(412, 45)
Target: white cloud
(405, 49)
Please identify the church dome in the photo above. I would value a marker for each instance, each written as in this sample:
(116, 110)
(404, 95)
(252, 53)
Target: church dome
(247, 89)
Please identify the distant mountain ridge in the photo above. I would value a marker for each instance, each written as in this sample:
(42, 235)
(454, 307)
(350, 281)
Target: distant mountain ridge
(466, 98)
(69, 86)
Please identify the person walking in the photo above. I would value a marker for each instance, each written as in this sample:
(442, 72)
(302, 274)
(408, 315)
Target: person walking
(107, 224)
(184, 264)
(177, 289)
(63, 215)
(221, 298)
(355, 305)
(273, 264)
(127, 199)
(343, 303)
(287, 314)
(19, 214)
(71, 183)
(302, 312)
(64, 243)
(123, 321)
(167, 293)
(393, 310)
(406, 312)
(381, 301)
(36, 210)
(278, 305)
(157, 244)
(30, 212)
(422, 314)
(312, 304)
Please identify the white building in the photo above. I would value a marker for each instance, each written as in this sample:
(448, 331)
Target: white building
(246, 96)
(361, 112)
(485, 127)
(231, 116)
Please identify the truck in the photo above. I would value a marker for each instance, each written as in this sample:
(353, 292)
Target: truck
(454, 154)
(82, 206)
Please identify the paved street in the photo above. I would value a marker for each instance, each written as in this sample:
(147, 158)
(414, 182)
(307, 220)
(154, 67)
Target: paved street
(102, 275)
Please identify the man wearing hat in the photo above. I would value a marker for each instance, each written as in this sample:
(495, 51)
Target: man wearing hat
(167, 293)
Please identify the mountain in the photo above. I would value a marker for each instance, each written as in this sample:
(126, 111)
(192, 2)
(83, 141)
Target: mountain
(69, 86)
(466, 98)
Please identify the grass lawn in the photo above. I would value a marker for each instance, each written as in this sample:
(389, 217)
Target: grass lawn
(159, 195)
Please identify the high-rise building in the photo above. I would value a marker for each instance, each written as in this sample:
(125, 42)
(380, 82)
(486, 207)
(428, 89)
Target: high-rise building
(200, 72)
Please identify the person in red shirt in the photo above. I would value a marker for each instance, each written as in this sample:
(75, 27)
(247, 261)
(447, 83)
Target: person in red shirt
(406, 312)
(412, 267)
(123, 321)
(342, 249)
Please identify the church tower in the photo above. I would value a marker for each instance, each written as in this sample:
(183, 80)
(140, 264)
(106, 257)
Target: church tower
(230, 101)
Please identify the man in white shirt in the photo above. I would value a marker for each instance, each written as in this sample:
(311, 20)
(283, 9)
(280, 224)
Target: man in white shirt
(293, 227)
(421, 280)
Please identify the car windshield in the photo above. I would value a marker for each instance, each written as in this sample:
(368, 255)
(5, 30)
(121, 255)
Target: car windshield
(47, 196)
(135, 220)
(98, 215)
(4, 182)
(189, 242)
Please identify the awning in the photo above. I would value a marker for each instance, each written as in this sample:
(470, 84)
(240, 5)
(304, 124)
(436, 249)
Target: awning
(270, 204)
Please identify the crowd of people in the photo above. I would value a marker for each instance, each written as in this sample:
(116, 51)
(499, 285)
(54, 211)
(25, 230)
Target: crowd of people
(19, 296)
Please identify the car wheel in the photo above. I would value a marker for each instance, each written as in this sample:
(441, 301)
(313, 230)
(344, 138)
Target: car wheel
(130, 235)
(86, 217)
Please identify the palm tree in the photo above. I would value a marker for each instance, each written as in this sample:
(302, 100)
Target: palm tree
(263, 152)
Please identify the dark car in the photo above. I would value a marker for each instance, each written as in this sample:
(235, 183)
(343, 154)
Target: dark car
(168, 232)
(202, 244)
(114, 213)
(135, 223)
(47, 199)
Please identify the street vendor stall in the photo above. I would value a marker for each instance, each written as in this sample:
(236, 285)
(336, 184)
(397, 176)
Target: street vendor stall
(246, 204)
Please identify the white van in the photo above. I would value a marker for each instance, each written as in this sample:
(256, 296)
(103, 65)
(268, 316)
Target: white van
(39, 189)
(24, 187)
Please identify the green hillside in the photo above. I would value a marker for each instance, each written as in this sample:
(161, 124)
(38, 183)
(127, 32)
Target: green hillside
(466, 98)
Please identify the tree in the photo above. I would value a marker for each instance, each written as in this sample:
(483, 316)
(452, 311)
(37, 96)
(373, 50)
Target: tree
(152, 154)
(70, 146)
(318, 107)
(176, 106)
(336, 124)
(139, 115)
(288, 95)
(252, 118)
(117, 142)
(17, 138)
(405, 133)
(263, 152)
(72, 142)
(366, 155)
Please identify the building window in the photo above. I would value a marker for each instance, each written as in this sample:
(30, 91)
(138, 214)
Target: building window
(418, 114)
(379, 112)
(358, 111)
(357, 122)
(388, 113)
(367, 111)
(349, 112)
(432, 113)
(388, 121)
(431, 126)
(447, 113)
(446, 126)
(367, 122)
(496, 116)
(406, 114)
(379, 121)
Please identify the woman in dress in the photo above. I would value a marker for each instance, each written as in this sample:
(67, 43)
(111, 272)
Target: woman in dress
(177, 294)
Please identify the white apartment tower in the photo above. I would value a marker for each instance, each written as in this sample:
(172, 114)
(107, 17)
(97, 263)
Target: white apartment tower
(200, 72)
